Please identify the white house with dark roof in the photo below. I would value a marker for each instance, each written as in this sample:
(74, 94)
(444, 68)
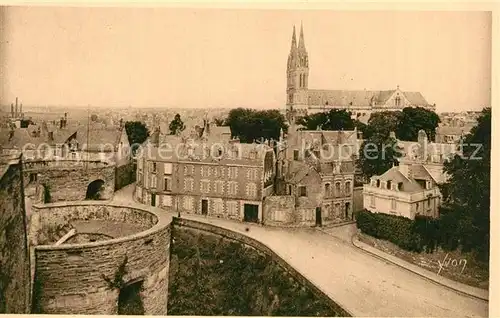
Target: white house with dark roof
(361, 103)
(403, 193)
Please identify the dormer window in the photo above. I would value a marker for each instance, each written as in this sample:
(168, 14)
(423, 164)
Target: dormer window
(378, 183)
(400, 186)
(388, 184)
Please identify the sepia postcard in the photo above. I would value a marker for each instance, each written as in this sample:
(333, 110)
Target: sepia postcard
(246, 160)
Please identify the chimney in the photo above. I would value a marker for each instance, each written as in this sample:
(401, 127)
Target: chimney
(12, 110)
(21, 110)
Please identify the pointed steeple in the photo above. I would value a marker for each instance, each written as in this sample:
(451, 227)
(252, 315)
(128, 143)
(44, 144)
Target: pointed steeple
(294, 40)
(302, 45)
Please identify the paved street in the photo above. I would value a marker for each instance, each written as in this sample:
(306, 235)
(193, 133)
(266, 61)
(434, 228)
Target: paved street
(359, 282)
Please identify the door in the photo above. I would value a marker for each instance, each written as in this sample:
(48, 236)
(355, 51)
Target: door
(251, 213)
(204, 207)
(347, 208)
(318, 216)
(153, 199)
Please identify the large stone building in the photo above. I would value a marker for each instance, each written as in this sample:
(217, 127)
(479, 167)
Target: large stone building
(361, 103)
(207, 176)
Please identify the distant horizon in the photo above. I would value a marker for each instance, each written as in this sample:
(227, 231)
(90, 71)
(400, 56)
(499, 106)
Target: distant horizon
(179, 58)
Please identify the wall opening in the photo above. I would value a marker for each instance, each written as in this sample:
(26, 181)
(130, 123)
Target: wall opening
(204, 206)
(318, 217)
(94, 190)
(251, 213)
(129, 299)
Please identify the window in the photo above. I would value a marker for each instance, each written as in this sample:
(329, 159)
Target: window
(167, 185)
(205, 186)
(232, 187)
(252, 174)
(337, 189)
(33, 177)
(218, 205)
(251, 189)
(295, 155)
(302, 191)
(388, 184)
(397, 101)
(428, 202)
(417, 206)
(167, 168)
(73, 155)
(219, 186)
(289, 190)
(348, 188)
(400, 186)
(378, 183)
(215, 171)
(153, 167)
(205, 172)
(188, 203)
(393, 204)
(232, 208)
(372, 201)
(327, 189)
(167, 200)
(188, 184)
(153, 181)
(139, 177)
(189, 170)
(233, 172)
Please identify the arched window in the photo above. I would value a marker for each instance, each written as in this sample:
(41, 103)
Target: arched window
(397, 101)
(348, 187)
(337, 189)
(378, 183)
(327, 189)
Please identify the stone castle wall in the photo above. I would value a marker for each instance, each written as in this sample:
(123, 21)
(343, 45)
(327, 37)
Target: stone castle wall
(68, 180)
(248, 241)
(14, 254)
(70, 278)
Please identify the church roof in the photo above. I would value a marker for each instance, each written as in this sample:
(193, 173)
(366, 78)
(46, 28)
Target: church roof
(360, 97)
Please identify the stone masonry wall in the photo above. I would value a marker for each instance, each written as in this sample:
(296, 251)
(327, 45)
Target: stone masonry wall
(69, 182)
(233, 236)
(357, 199)
(14, 254)
(279, 211)
(124, 175)
(69, 279)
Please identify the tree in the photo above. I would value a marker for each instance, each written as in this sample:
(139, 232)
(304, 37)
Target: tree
(93, 117)
(414, 119)
(250, 125)
(137, 133)
(383, 123)
(219, 122)
(176, 125)
(331, 120)
(466, 195)
(378, 154)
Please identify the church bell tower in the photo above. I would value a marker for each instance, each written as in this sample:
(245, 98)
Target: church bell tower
(297, 75)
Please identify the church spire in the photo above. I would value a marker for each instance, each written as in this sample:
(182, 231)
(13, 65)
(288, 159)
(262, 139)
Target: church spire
(302, 45)
(294, 40)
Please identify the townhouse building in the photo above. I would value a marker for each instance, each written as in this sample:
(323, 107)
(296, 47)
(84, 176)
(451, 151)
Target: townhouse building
(206, 176)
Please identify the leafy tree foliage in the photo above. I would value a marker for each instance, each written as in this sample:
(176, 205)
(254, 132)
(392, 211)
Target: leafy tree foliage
(219, 122)
(93, 117)
(250, 125)
(137, 133)
(466, 204)
(331, 120)
(378, 154)
(176, 125)
(414, 119)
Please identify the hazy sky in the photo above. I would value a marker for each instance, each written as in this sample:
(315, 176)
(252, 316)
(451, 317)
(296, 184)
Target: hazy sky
(230, 58)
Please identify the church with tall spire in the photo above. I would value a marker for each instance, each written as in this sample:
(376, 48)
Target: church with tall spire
(301, 100)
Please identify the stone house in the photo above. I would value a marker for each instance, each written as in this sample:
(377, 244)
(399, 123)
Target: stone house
(207, 176)
(404, 193)
(316, 173)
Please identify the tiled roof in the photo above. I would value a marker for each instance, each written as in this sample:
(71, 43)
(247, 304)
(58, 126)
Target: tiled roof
(453, 130)
(419, 172)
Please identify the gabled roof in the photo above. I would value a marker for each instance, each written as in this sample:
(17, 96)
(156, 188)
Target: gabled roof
(394, 175)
